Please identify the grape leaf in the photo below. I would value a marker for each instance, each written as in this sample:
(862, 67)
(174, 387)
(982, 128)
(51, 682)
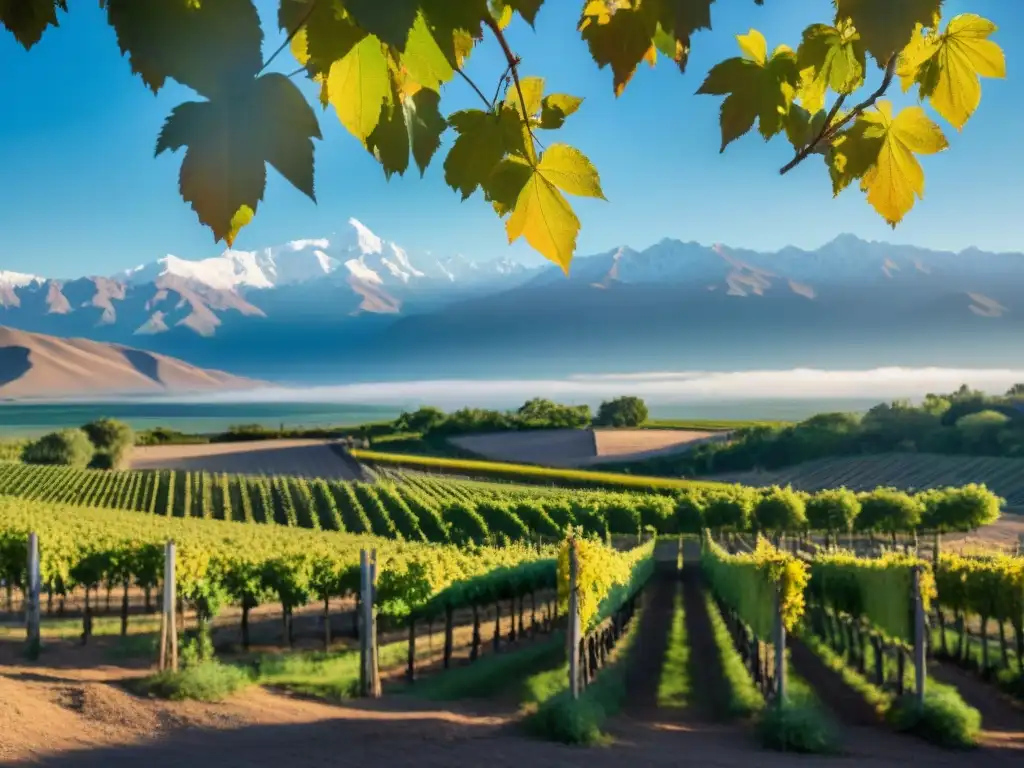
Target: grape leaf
(533, 92)
(852, 154)
(423, 60)
(541, 213)
(479, 147)
(947, 67)
(895, 177)
(544, 217)
(835, 55)
(677, 21)
(425, 124)
(756, 88)
(527, 8)
(389, 141)
(555, 108)
(358, 85)
(27, 20)
(326, 35)
(885, 26)
(228, 142)
(506, 181)
(619, 35)
(803, 126)
(455, 26)
(389, 20)
(501, 12)
(211, 47)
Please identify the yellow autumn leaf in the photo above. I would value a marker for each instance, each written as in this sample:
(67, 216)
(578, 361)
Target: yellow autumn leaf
(570, 170)
(754, 46)
(896, 177)
(544, 217)
(358, 85)
(947, 66)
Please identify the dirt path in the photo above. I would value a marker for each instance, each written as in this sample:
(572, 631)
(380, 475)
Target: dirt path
(707, 678)
(1002, 719)
(648, 652)
(848, 706)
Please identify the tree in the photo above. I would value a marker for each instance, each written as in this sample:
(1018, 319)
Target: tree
(382, 63)
(889, 511)
(111, 438)
(959, 509)
(780, 510)
(621, 412)
(70, 447)
(979, 431)
(833, 510)
(421, 420)
(729, 510)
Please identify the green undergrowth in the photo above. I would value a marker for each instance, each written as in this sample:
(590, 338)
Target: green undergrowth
(1009, 679)
(743, 697)
(333, 676)
(493, 673)
(945, 719)
(552, 713)
(674, 683)
(203, 681)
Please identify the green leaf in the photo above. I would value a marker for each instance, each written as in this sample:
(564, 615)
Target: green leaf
(756, 88)
(835, 54)
(479, 147)
(358, 85)
(555, 107)
(619, 35)
(533, 93)
(802, 127)
(389, 20)
(677, 21)
(544, 217)
(506, 182)
(425, 124)
(27, 20)
(885, 27)
(423, 60)
(389, 141)
(211, 47)
(526, 8)
(326, 36)
(947, 66)
(455, 26)
(228, 142)
(570, 170)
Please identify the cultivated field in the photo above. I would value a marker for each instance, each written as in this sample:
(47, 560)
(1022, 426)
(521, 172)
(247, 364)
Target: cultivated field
(907, 471)
(582, 447)
(302, 458)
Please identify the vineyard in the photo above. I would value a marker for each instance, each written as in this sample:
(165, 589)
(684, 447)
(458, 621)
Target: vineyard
(907, 471)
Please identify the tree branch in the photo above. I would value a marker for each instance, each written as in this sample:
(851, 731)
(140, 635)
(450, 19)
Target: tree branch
(475, 87)
(828, 130)
(291, 36)
(513, 64)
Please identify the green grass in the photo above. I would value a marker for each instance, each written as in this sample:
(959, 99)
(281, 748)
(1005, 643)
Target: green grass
(711, 425)
(674, 684)
(205, 681)
(1009, 679)
(71, 628)
(333, 676)
(743, 697)
(879, 699)
(527, 473)
(800, 724)
(555, 716)
(492, 673)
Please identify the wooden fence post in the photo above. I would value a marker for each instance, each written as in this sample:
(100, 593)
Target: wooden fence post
(780, 651)
(369, 672)
(574, 623)
(920, 640)
(168, 618)
(32, 597)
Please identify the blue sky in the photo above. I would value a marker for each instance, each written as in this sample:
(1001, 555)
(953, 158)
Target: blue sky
(82, 192)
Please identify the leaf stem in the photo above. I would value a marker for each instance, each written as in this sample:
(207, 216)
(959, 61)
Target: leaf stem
(291, 36)
(475, 87)
(513, 64)
(497, 91)
(828, 130)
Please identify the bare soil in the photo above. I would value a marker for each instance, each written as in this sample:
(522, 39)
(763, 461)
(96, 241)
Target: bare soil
(306, 458)
(581, 447)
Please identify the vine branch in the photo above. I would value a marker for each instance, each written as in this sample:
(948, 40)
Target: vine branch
(828, 130)
(475, 87)
(513, 65)
(291, 36)
(502, 79)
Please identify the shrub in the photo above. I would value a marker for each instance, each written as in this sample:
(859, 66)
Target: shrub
(621, 412)
(944, 719)
(798, 726)
(103, 460)
(110, 436)
(70, 447)
(203, 681)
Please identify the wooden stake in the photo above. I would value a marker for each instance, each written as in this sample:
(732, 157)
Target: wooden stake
(780, 651)
(168, 618)
(32, 597)
(920, 640)
(574, 623)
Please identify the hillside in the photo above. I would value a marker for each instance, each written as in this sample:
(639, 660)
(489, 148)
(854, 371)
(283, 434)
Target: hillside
(33, 365)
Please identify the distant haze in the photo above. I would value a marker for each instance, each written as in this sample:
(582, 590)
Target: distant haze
(660, 389)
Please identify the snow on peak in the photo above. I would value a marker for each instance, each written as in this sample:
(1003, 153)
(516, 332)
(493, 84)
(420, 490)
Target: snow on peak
(368, 242)
(230, 270)
(18, 279)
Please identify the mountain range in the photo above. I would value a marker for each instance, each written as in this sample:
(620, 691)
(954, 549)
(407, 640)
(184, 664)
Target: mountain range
(359, 307)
